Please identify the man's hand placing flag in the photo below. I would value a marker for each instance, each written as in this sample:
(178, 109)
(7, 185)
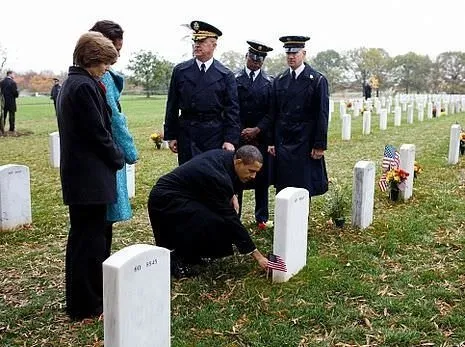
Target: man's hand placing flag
(275, 262)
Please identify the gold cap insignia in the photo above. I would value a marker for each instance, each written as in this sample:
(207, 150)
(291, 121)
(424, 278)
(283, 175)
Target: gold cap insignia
(195, 26)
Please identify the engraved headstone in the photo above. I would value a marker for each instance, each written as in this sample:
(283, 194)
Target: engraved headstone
(407, 162)
(136, 297)
(291, 230)
(346, 127)
(454, 144)
(15, 196)
(363, 191)
(54, 148)
(131, 179)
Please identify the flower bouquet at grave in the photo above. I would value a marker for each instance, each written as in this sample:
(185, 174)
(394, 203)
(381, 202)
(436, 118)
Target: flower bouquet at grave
(417, 169)
(462, 142)
(395, 179)
(348, 105)
(363, 109)
(157, 139)
(337, 202)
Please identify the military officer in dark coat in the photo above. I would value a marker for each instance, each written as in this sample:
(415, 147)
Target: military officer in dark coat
(254, 91)
(300, 104)
(9, 90)
(193, 209)
(202, 110)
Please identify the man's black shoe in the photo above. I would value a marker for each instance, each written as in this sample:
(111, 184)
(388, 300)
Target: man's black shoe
(181, 270)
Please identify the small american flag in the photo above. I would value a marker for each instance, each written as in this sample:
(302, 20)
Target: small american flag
(275, 262)
(391, 160)
(382, 183)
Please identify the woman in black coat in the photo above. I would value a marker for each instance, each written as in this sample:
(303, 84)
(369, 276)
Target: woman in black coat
(89, 161)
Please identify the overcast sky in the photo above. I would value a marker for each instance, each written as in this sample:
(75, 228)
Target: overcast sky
(40, 35)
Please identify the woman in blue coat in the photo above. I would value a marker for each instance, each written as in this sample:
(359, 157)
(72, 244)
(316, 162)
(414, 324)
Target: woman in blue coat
(114, 83)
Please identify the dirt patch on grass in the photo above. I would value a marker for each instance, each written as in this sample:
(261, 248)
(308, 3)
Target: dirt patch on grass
(16, 133)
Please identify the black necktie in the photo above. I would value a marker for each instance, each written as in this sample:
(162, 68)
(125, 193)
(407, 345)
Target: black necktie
(251, 75)
(293, 75)
(202, 68)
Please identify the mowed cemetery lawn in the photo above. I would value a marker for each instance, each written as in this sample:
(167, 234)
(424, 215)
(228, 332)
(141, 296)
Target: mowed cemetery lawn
(399, 282)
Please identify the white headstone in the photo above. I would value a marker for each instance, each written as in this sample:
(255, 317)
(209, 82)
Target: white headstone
(429, 110)
(397, 116)
(454, 144)
(407, 162)
(438, 109)
(165, 145)
(15, 196)
(331, 105)
(410, 114)
(366, 123)
(383, 119)
(131, 180)
(291, 230)
(363, 192)
(421, 114)
(346, 127)
(342, 108)
(54, 148)
(136, 297)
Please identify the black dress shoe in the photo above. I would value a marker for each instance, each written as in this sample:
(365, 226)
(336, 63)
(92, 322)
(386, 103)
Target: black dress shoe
(181, 270)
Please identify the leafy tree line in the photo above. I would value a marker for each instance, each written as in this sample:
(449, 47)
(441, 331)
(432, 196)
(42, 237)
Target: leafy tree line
(408, 73)
(349, 70)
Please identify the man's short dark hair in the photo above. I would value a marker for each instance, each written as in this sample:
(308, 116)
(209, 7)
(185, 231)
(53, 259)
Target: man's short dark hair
(249, 154)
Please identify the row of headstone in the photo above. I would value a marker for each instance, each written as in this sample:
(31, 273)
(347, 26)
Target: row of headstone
(367, 117)
(449, 103)
(137, 278)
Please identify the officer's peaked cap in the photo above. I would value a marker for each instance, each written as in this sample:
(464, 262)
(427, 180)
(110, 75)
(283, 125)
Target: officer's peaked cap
(258, 49)
(203, 30)
(293, 44)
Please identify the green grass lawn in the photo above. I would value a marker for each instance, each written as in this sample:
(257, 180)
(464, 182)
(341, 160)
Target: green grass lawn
(400, 282)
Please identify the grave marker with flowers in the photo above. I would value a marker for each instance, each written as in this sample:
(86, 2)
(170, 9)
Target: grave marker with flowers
(157, 139)
(395, 179)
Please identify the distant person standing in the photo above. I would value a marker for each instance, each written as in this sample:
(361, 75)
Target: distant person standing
(114, 83)
(54, 92)
(300, 104)
(367, 91)
(202, 110)
(254, 91)
(9, 91)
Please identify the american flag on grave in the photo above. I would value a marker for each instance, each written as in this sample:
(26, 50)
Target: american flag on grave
(391, 160)
(275, 262)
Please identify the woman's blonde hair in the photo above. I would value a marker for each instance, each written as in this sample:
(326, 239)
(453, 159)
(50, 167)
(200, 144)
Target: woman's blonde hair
(93, 49)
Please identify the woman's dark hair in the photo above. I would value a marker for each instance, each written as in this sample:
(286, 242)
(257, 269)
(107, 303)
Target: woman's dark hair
(109, 29)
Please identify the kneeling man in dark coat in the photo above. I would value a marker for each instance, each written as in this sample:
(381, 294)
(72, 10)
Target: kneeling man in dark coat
(194, 212)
